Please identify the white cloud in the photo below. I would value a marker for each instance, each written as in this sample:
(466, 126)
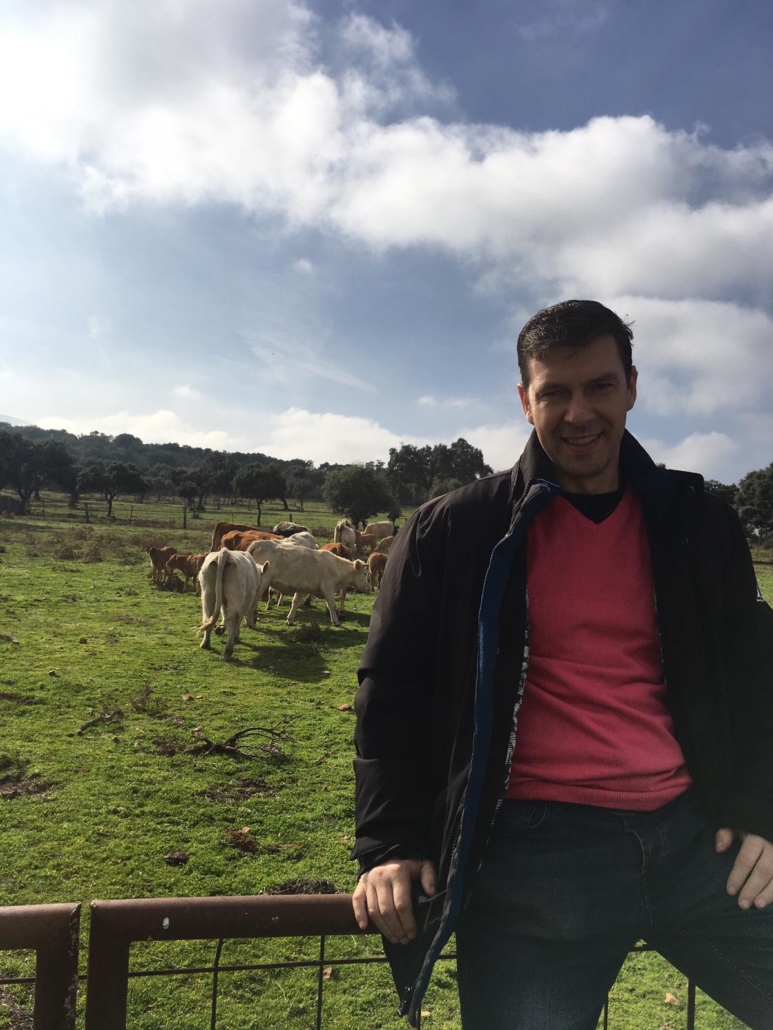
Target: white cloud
(232, 102)
(186, 392)
(386, 46)
(428, 400)
(286, 361)
(711, 454)
(304, 266)
(699, 357)
(158, 427)
(574, 16)
(501, 444)
(341, 439)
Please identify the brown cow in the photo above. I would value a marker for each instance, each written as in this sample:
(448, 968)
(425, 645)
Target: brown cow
(236, 540)
(364, 540)
(159, 556)
(376, 564)
(340, 549)
(385, 544)
(226, 527)
(189, 565)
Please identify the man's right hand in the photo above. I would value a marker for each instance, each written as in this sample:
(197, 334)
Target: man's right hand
(384, 895)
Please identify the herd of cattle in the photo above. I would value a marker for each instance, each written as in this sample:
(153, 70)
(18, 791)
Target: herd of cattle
(245, 564)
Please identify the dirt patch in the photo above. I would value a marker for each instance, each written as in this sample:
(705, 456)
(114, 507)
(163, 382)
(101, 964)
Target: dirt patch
(18, 699)
(167, 747)
(243, 790)
(303, 886)
(132, 620)
(147, 702)
(310, 632)
(243, 840)
(15, 782)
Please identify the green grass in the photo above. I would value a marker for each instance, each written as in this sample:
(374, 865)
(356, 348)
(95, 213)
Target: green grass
(93, 814)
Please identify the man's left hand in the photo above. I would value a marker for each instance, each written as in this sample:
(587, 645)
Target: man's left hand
(752, 872)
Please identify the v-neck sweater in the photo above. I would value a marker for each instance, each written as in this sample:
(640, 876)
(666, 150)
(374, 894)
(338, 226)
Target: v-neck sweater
(594, 727)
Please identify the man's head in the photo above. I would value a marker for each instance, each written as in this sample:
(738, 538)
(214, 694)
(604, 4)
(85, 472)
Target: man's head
(578, 384)
(572, 323)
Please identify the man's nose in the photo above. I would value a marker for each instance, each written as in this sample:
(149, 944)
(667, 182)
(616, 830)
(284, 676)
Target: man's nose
(579, 410)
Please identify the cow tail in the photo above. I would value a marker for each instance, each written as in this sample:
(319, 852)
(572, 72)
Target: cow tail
(222, 561)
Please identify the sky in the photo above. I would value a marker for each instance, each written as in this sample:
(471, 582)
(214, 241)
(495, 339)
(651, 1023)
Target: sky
(315, 229)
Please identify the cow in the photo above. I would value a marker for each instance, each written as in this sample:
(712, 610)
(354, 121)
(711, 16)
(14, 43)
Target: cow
(340, 549)
(376, 564)
(159, 556)
(345, 534)
(289, 528)
(231, 581)
(380, 529)
(189, 565)
(240, 540)
(384, 545)
(301, 572)
(363, 540)
(304, 539)
(226, 527)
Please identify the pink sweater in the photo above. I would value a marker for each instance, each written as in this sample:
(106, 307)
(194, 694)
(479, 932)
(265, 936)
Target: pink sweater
(594, 727)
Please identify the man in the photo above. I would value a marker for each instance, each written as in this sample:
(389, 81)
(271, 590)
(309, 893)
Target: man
(565, 718)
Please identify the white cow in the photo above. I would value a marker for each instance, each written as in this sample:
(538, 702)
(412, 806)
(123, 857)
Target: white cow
(345, 534)
(380, 529)
(231, 581)
(302, 572)
(302, 539)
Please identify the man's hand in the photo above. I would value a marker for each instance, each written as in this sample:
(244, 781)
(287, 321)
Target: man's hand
(752, 872)
(384, 894)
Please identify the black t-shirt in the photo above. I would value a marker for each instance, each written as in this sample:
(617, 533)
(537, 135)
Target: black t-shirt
(595, 507)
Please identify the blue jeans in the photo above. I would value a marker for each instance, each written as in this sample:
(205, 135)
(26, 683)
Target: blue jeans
(566, 890)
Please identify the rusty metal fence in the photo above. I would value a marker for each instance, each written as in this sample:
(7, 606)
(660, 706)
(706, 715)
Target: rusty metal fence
(52, 931)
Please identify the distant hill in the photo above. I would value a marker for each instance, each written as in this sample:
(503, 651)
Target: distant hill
(13, 421)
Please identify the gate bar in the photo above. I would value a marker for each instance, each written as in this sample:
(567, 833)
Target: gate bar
(52, 932)
(116, 924)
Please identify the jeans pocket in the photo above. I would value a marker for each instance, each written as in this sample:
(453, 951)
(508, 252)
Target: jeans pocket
(519, 817)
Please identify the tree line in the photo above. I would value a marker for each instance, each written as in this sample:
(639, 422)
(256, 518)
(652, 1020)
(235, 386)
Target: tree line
(32, 459)
(109, 467)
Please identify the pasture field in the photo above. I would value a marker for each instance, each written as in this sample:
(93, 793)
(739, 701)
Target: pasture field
(95, 813)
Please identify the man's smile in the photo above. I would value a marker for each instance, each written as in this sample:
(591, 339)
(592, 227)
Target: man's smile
(581, 441)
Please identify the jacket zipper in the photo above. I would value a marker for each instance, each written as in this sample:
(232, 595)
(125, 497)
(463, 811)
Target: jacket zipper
(412, 994)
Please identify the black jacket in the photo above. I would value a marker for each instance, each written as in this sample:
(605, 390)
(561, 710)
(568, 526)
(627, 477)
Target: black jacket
(445, 665)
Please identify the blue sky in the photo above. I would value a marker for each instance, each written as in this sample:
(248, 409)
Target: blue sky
(315, 229)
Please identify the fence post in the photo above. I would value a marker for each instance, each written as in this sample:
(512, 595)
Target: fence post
(131, 512)
(86, 509)
(52, 931)
(185, 517)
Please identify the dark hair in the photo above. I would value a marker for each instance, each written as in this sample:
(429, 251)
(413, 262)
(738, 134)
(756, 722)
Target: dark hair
(572, 323)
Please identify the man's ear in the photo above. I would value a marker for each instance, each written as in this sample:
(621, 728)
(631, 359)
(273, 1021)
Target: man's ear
(523, 394)
(632, 388)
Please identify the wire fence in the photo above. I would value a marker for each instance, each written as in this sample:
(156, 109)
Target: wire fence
(52, 930)
(166, 514)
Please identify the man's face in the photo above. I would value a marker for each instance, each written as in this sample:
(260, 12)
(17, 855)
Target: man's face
(577, 401)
